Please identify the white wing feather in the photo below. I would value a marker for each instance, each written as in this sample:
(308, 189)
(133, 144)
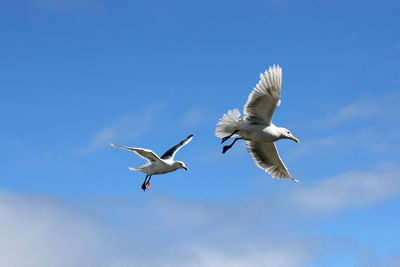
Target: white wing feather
(265, 97)
(141, 152)
(267, 158)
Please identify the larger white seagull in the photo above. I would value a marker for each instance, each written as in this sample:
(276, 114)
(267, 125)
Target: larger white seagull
(155, 164)
(257, 127)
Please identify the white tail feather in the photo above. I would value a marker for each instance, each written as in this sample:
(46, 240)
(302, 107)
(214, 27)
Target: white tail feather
(229, 123)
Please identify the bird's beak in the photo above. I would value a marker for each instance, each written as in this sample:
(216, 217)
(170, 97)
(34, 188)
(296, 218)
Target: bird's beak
(295, 139)
(185, 167)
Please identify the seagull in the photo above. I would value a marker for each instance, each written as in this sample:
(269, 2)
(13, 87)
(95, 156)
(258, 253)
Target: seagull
(257, 127)
(155, 164)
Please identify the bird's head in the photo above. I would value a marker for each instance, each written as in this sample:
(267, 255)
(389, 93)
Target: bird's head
(180, 165)
(286, 134)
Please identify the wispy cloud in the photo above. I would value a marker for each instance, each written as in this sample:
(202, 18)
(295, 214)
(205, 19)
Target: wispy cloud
(368, 124)
(353, 189)
(372, 141)
(194, 116)
(369, 109)
(124, 128)
(290, 254)
(393, 261)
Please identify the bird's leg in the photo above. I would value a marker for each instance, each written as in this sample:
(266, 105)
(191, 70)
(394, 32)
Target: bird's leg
(148, 186)
(226, 148)
(227, 137)
(144, 183)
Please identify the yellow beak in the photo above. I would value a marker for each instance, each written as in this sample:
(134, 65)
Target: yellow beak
(185, 167)
(295, 139)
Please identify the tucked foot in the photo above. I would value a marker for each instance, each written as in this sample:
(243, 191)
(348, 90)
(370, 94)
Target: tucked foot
(225, 148)
(224, 139)
(148, 186)
(144, 187)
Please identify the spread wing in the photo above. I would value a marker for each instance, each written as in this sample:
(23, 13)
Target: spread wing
(265, 98)
(170, 154)
(141, 152)
(267, 158)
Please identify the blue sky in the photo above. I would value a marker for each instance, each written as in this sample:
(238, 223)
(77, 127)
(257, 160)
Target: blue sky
(76, 75)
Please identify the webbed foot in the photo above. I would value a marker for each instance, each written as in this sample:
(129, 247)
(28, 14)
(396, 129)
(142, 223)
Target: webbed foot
(225, 148)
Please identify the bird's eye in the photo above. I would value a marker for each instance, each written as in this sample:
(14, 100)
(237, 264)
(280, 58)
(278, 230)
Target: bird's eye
(288, 132)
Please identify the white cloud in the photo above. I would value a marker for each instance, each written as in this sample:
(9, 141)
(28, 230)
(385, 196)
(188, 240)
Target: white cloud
(372, 141)
(349, 190)
(370, 109)
(371, 126)
(290, 254)
(195, 116)
(40, 231)
(124, 128)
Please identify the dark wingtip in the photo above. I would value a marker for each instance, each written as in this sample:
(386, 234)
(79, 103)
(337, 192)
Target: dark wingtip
(189, 136)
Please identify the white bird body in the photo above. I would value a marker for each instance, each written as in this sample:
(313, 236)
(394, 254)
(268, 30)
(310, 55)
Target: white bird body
(158, 167)
(257, 127)
(258, 132)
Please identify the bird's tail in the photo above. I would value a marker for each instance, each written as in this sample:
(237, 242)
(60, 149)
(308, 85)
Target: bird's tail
(229, 123)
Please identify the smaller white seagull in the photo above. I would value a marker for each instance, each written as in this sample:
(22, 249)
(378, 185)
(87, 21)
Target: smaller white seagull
(257, 127)
(155, 164)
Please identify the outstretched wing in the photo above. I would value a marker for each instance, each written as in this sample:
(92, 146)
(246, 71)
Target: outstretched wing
(170, 154)
(267, 158)
(141, 152)
(265, 98)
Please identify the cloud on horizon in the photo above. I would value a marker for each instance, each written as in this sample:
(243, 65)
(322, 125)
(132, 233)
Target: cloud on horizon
(158, 230)
(41, 231)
